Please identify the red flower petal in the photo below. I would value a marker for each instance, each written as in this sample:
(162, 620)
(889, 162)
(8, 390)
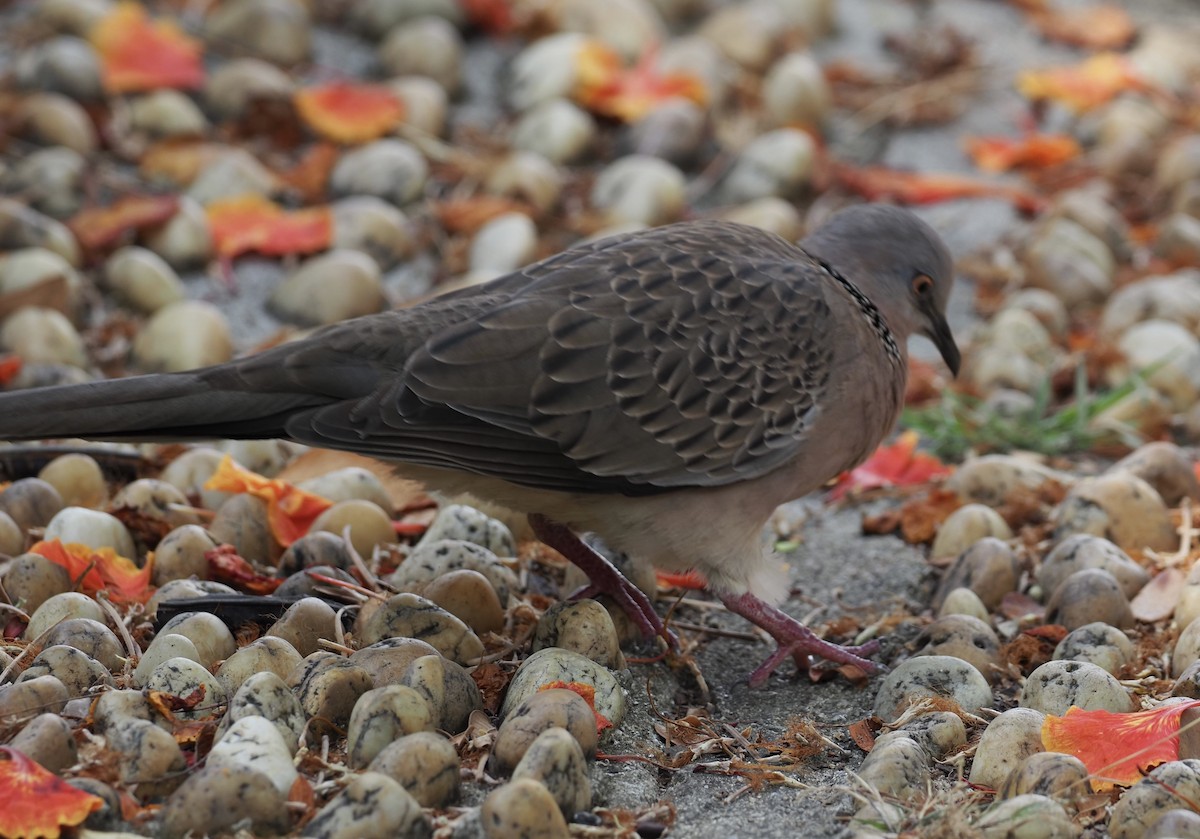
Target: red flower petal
(138, 54)
(349, 113)
(898, 464)
(37, 803)
(99, 228)
(254, 223)
(588, 692)
(999, 154)
(291, 511)
(877, 183)
(100, 569)
(607, 87)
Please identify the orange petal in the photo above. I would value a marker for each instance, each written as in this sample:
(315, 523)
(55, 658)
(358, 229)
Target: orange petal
(999, 154)
(253, 223)
(1092, 27)
(138, 54)
(100, 569)
(98, 228)
(588, 692)
(178, 161)
(898, 464)
(1083, 86)
(37, 803)
(877, 183)
(349, 113)
(493, 16)
(10, 366)
(226, 566)
(608, 88)
(310, 175)
(1116, 748)
(688, 579)
(290, 510)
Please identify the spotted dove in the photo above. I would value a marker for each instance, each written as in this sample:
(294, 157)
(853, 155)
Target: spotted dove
(666, 389)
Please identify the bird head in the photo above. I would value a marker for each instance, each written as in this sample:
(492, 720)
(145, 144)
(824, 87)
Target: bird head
(899, 262)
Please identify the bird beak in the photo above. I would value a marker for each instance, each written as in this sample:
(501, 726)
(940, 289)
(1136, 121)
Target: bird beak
(943, 339)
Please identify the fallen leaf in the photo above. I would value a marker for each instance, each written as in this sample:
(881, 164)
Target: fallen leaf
(1157, 599)
(102, 228)
(492, 16)
(179, 161)
(253, 223)
(51, 293)
(349, 113)
(1090, 27)
(605, 86)
(404, 494)
(895, 464)
(100, 569)
(878, 183)
(290, 510)
(588, 692)
(37, 803)
(1038, 151)
(1117, 748)
(466, 215)
(1081, 87)
(863, 734)
(310, 175)
(226, 566)
(138, 54)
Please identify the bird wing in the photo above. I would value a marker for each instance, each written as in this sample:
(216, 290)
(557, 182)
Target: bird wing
(686, 356)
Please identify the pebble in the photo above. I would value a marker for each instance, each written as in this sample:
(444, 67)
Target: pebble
(527, 177)
(332, 287)
(411, 616)
(231, 174)
(148, 756)
(262, 655)
(78, 479)
(182, 677)
(191, 470)
(255, 743)
(185, 240)
(553, 665)
(93, 528)
(1089, 596)
(166, 645)
(795, 92)
(458, 522)
(278, 31)
(1167, 353)
(546, 709)
(771, 214)
(966, 638)
(23, 227)
(60, 607)
(641, 189)
(1175, 824)
(1057, 685)
(1187, 647)
(425, 764)
(991, 479)
(349, 484)
(1081, 551)
(233, 86)
(1067, 260)
(779, 163)
(113, 706)
(427, 46)
(545, 70)
(242, 522)
(267, 695)
(369, 224)
(390, 169)
(937, 676)
(371, 806)
(304, 624)
(631, 27)
(183, 336)
(522, 809)
(1097, 643)
(166, 114)
(1032, 816)
(12, 540)
(50, 179)
(387, 660)
(896, 767)
(31, 579)
(426, 103)
(156, 502)
(62, 64)
(369, 524)
(181, 554)
(557, 129)
(381, 716)
(213, 639)
(1059, 776)
(676, 131)
(25, 700)
(963, 601)
(1119, 506)
(1162, 790)
(938, 732)
(1166, 467)
(49, 740)
(213, 800)
(556, 760)
(581, 626)
(266, 457)
(91, 637)
(1006, 744)
(504, 244)
(51, 119)
(314, 552)
(328, 686)
(988, 568)
(182, 590)
(78, 671)
(375, 18)
(469, 596)
(1171, 297)
(747, 33)
(966, 526)
(31, 502)
(1187, 683)
(448, 690)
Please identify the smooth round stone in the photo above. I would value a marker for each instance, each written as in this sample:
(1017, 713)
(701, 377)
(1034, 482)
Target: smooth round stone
(182, 590)
(51, 119)
(1059, 776)
(305, 583)
(43, 336)
(1166, 467)
(778, 163)
(963, 601)
(78, 671)
(775, 215)
(469, 597)
(504, 244)
(425, 764)
(371, 225)
(676, 131)
(1173, 297)
(557, 129)
(631, 27)
(390, 169)
(375, 18)
(78, 478)
(795, 92)
(148, 756)
(278, 31)
(143, 279)
(448, 690)
(992, 369)
(31, 579)
(1187, 648)
(213, 639)
(938, 732)
(522, 809)
(381, 716)
(30, 698)
(467, 524)
(386, 661)
(49, 740)
(92, 528)
(166, 114)
(27, 228)
(1035, 816)
(182, 677)
(426, 46)
(183, 336)
(641, 189)
(166, 645)
(1006, 744)
(234, 86)
(243, 521)
(67, 605)
(1179, 238)
(156, 501)
(231, 174)
(255, 743)
(213, 800)
(581, 626)
(527, 177)
(425, 103)
(316, 550)
(546, 709)
(1057, 685)
(267, 695)
(411, 616)
(182, 554)
(1187, 683)
(332, 287)
(966, 526)
(304, 624)
(991, 479)
(1168, 353)
(1175, 824)
(371, 806)
(266, 457)
(191, 471)
(31, 502)
(1081, 551)
(988, 567)
(1071, 262)
(115, 705)
(369, 524)
(937, 676)
(1162, 790)
(1118, 506)
(349, 484)
(91, 637)
(328, 686)
(545, 70)
(185, 240)
(1089, 596)
(556, 760)
(63, 64)
(1096, 643)
(966, 638)
(50, 179)
(12, 539)
(897, 766)
(431, 559)
(555, 665)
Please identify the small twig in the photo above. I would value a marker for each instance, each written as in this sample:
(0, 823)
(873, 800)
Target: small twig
(131, 646)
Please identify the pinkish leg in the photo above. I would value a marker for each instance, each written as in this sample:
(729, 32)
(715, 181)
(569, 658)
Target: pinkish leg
(795, 639)
(604, 577)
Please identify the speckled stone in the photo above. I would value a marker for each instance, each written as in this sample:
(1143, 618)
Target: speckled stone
(553, 708)
(448, 690)
(372, 806)
(553, 665)
(425, 764)
(431, 559)
(1057, 685)
(255, 742)
(1006, 744)
(522, 809)
(1164, 788)
(262, 655)
(1096, 643)
(466, 524)
(897, 766)
(182, 677)
(387, 660)
(1032, 816)
(267, 695)
(581, 626)
(304, 624)
(381, 716)
(556, 759)
(1089, 596)
(49, 740)
(327, 686)
(214, 799)
(938, 676)
(1083, 550)
(409, 615)
(988, 568)
(964, 637)
(1059, 776)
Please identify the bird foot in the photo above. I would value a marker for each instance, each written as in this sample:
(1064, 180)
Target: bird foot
(795, 639)
(603, 577)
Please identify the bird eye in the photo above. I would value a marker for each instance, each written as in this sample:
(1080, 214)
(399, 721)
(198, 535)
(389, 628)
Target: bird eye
(922, 284)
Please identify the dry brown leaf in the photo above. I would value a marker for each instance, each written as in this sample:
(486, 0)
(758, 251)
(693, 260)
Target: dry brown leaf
(1156, 601)
(50, 293)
